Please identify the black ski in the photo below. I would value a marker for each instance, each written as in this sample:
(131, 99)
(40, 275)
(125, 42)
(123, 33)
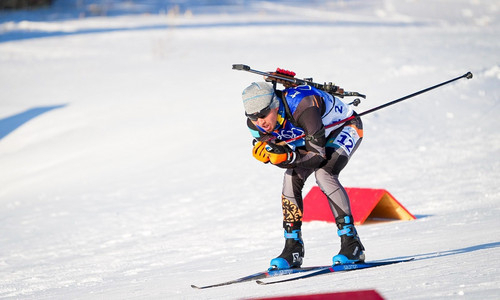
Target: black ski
(261, 275)
(338, 268)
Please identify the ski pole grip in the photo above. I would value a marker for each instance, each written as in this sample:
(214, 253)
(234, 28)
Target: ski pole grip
(241, 67)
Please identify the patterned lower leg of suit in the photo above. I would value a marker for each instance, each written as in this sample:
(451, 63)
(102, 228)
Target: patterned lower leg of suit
(292, 212)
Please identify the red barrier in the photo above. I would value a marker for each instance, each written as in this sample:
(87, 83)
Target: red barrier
(354, 295)
(366, 205)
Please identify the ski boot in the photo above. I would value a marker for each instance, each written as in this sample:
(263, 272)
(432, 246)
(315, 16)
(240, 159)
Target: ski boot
(351, 249)
(293, 253)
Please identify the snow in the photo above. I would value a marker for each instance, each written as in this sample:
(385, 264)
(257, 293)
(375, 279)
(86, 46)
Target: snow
(125, 163)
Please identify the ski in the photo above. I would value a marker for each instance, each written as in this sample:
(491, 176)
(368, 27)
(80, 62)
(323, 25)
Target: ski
(262, 275)
(337, 268)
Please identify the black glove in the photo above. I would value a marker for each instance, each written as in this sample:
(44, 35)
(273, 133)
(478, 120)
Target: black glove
(280, 154)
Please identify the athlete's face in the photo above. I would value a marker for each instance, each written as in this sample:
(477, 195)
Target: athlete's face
(268, 122)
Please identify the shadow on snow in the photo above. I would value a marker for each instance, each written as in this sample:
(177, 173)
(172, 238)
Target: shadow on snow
(9, 124)
(25, 34)
(453, 252)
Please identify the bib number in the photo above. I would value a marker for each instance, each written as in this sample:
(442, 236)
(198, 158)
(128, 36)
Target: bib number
(346, 140)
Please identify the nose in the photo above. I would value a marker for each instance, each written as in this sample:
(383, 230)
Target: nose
(261, 122)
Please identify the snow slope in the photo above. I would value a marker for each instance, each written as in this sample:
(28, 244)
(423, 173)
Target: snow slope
(125, 164)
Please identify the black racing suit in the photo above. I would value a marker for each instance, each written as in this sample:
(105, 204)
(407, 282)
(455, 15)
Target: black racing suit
(325, 156)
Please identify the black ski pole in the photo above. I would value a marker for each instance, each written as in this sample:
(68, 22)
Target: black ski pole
(467, 75)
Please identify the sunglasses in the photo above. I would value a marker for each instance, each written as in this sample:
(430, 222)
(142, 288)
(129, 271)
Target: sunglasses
(260, 114)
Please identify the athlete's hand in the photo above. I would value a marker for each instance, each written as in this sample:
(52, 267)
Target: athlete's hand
(279, 154)
(260, 153)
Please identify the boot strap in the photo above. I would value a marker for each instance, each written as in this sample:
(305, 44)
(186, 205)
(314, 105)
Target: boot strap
(347, 230)
(293, 235)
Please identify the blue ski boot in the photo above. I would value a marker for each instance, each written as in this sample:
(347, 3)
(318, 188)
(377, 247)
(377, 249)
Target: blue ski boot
(293, 253)
(351, 249)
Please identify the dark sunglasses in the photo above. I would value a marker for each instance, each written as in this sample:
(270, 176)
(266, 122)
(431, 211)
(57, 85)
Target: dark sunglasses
(260, 114)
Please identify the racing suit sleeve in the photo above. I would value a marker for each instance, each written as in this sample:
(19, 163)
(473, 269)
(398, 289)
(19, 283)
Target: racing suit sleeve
(308, 117)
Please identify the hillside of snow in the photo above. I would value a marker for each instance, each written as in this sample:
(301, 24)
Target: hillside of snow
(125, 164)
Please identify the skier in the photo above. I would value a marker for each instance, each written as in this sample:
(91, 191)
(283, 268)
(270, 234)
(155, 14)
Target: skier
(274, 116)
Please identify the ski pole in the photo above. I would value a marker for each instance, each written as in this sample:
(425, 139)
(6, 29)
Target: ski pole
(467, 75)
(327, 87)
